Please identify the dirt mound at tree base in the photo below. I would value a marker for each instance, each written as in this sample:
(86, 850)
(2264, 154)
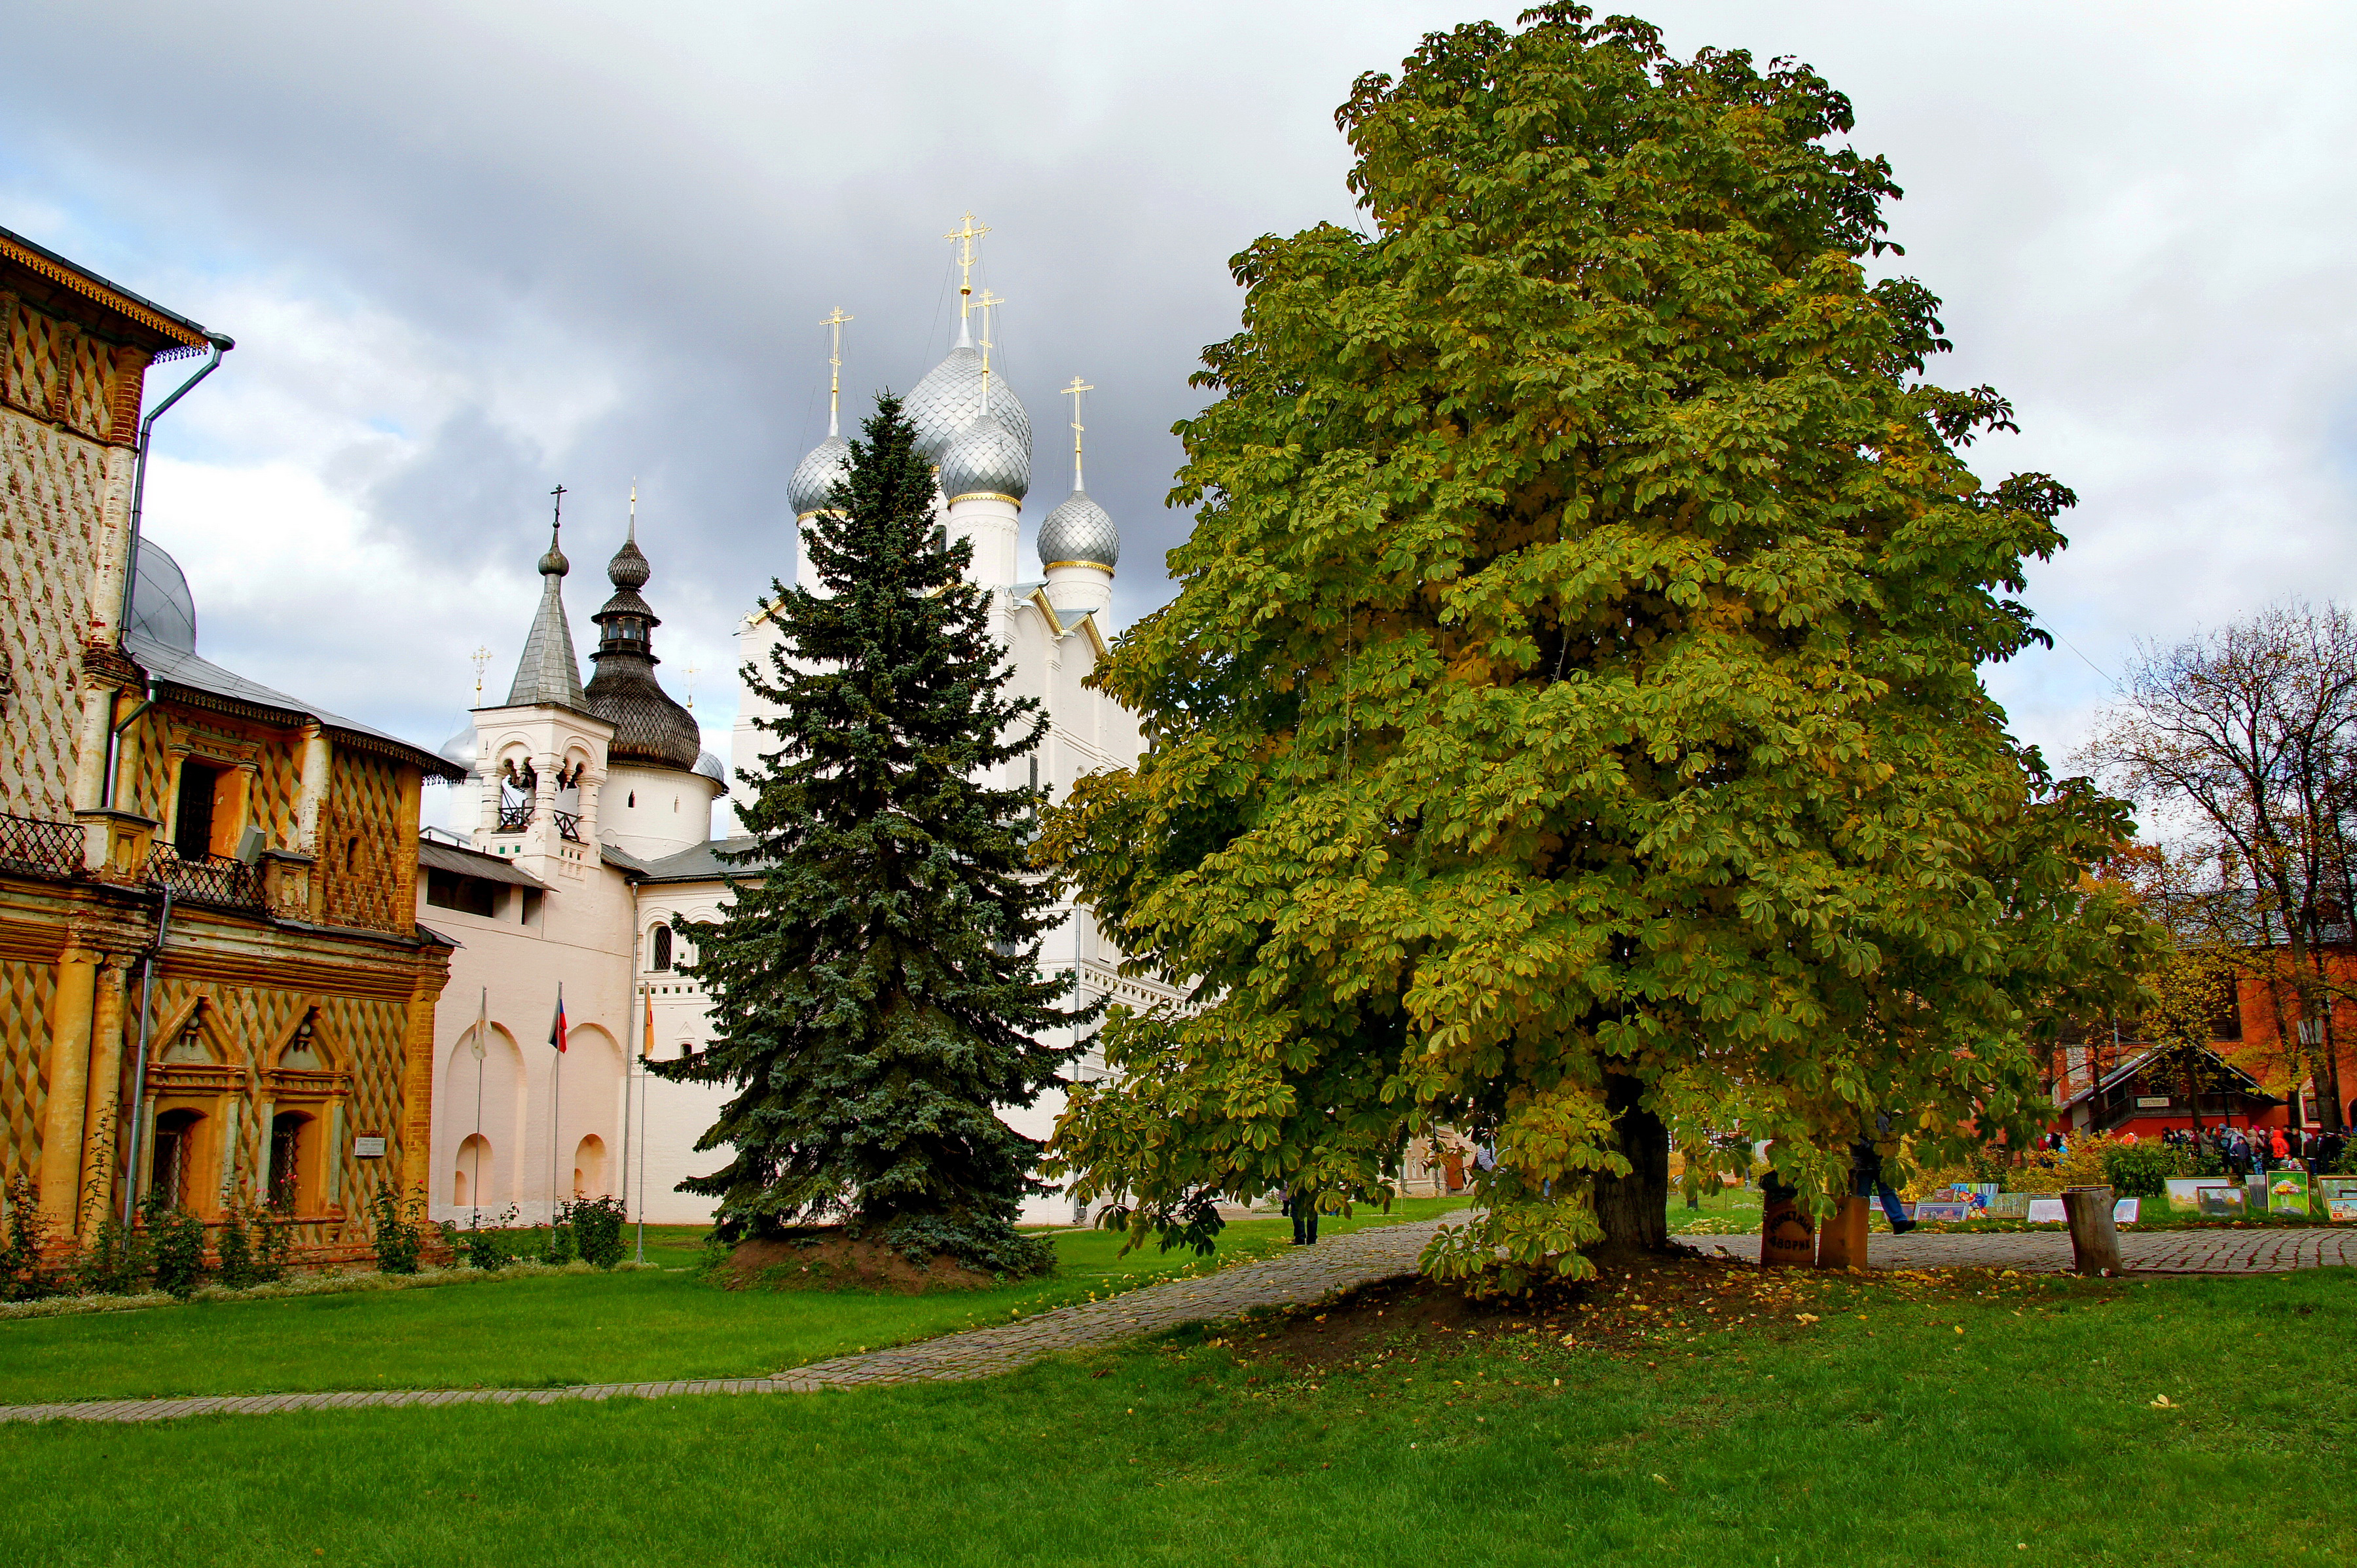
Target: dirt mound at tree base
(828, 1259)
(1641, 1305)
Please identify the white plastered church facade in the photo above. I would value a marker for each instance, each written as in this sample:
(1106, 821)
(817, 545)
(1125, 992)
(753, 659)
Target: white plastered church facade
(587, 841)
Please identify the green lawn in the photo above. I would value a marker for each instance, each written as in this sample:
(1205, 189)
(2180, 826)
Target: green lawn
(2032, 1435)
(532, 1333)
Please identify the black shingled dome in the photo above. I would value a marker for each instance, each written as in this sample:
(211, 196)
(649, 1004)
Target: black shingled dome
(649, 727)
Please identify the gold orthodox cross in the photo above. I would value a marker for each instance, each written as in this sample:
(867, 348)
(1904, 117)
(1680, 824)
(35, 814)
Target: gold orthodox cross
(691, 685)
(834, 324)
(1074, 392)
(482, 655)
(987, 304)
(965, 234)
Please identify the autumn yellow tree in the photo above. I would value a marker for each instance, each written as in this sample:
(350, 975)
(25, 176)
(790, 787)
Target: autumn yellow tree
(1568, 728)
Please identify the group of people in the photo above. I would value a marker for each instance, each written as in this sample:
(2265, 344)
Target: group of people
(2244, 1150)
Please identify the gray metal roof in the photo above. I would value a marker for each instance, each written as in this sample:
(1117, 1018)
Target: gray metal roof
(212, 686)
(476, 863)
(701, 863)
(548, 672)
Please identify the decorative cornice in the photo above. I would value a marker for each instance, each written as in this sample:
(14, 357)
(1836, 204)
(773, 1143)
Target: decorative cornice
(181, 332)
(1091, 566)
(988, 496)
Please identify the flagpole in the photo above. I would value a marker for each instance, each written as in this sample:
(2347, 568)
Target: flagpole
(626, 1087)
(482, 1014)
(646, 1053)
(556, 1108)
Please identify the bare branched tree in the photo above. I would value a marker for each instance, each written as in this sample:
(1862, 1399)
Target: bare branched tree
(2249, 734)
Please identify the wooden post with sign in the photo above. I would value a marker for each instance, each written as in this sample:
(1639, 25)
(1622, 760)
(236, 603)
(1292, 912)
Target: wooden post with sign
(2094, 1239)
(1842, 1243)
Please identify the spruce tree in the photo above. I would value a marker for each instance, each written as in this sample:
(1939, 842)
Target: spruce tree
(874, 992)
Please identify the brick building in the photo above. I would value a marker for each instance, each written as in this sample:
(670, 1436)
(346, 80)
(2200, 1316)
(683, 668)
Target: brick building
(212, 982)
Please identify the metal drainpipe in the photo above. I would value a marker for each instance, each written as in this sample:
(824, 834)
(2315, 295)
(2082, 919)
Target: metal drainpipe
(139, 1063)
(222, 343)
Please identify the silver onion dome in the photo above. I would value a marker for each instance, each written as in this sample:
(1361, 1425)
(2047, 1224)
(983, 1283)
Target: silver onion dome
(462, 748)
(815, 476)
(711, 767)
(1079, 533)
(985, 459)
(951, 395)
(161, 605)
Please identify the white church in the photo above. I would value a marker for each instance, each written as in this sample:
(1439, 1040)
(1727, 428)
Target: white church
(592, 816)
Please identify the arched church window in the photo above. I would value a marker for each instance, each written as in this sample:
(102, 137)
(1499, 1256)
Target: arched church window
(176, 1136)
(662, 950)
(286, 1160)
(634, 799)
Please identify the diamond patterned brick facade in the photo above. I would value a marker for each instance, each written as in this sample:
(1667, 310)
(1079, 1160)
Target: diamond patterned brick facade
(51, 511)
(364, 845)
(25, 992)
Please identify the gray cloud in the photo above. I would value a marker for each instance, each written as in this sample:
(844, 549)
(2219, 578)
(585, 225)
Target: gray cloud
(468, 252)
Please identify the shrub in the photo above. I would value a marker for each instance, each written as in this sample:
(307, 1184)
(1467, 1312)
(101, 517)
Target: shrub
(395, 1230)
(253, 1245)
(177, 1238)
(2142, 1169)
(23, 1275)
(595, 1225)
(114, 1262)
(561, 1247)
(487, 1249)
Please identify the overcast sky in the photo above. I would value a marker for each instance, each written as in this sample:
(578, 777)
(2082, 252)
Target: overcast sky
(468, 252)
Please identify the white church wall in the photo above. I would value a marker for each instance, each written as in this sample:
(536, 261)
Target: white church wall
(651, 812)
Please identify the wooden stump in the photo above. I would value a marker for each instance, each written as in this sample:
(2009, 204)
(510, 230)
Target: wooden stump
(1842, 1243)
(2094, 1239)
(1786, 1239)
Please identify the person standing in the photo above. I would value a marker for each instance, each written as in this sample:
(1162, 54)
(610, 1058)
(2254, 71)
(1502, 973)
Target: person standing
(1302, 1208)
(1867, 1179)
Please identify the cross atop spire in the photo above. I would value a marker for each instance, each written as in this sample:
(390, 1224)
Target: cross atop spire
(965, 234)
(834, 324)
(1074, 392)
(633, 534)
(987, 304)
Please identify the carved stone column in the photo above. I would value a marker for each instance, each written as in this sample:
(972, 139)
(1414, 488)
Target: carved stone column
(100, 1121)
(69, 1082)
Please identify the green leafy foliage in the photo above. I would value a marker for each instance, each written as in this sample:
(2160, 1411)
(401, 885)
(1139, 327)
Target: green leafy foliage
(2142, 1169)
(177, 1243)
(25, 1275)
(113, 1262)
(252, 1245)
(596, 1226)
(874, 987)
(394, 1231)
(1568, 727)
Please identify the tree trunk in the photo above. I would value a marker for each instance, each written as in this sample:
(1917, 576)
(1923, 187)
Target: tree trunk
(1634, 1208)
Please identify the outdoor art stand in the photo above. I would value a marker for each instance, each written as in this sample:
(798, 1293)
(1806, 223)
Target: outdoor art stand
(2095, 1239)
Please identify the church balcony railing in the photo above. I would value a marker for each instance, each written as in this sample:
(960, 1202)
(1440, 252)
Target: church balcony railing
(221, 879)
(28, 843)
(568, 826)
(515, 819)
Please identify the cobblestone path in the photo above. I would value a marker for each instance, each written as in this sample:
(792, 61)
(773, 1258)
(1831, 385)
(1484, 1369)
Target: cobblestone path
(1306, 1275)
(1297, 1274)
(2256, 1250)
